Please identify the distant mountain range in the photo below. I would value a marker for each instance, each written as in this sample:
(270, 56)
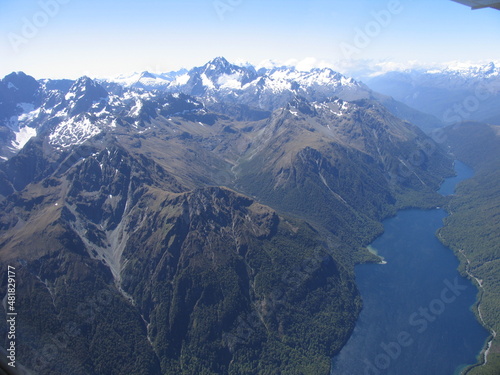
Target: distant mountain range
(454, 94)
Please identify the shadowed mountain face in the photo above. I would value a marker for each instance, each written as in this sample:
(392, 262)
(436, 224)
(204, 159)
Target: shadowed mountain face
(138, 252)
(347, 158)
(184, 272)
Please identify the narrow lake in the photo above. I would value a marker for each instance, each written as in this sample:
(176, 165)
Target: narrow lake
(416, 317)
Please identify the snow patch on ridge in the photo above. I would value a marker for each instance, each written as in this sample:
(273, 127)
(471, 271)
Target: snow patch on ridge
(136, 110)
(20, 125)
(182, 80)
(230, 81)
(70, 132)
(23, 136)
(207, 82)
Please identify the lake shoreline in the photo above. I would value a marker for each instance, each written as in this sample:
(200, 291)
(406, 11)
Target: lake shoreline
(384, 291)
(465, 262)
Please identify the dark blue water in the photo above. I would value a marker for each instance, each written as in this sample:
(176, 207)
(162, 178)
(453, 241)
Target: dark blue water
(463, 173)
(416, 317)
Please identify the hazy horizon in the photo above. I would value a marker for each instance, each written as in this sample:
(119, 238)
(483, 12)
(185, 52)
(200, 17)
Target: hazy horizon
(69, 39)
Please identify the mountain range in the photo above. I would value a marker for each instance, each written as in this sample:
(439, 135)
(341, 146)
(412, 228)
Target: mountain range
(207, 226)
(26, 103)
(454, 95)
(267, 88)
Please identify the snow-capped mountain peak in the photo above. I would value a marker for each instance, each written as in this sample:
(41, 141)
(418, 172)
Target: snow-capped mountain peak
(490, 68)
(84, 94)
(465, 71)
(219, 63)
(85, 86)
(17, 87)
(219, 80)
(147, 74)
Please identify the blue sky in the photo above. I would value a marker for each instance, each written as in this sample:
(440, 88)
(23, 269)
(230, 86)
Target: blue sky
(71, 38)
